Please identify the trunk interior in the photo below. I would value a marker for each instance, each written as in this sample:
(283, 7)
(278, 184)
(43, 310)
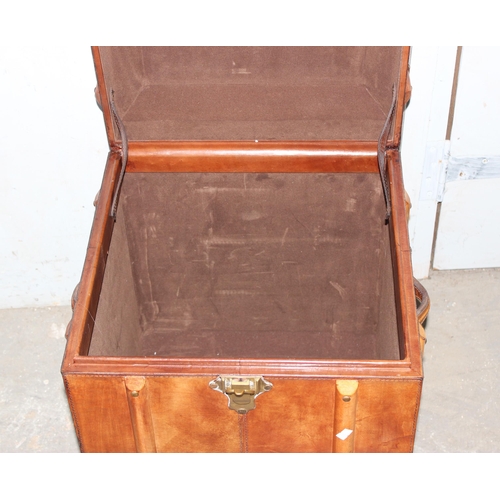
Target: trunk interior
(243, 265)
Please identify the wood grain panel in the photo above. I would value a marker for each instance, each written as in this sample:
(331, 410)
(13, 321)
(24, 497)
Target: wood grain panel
(101, 413)
(295, 415)
(188, 416)
(386, 415)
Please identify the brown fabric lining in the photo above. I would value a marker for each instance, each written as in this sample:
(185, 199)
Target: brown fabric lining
(246, 112)
(252, 93)
(387, 336)
(256, 266)
(117, 329)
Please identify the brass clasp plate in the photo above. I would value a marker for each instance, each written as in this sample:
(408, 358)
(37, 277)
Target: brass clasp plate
(241, 391)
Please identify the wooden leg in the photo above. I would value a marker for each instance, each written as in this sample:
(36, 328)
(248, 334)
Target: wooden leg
(346, 399)
(142, 424)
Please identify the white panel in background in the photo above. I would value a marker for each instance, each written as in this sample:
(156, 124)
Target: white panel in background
(424, 130)
(468, 234)
(476, 124)
(469, 226)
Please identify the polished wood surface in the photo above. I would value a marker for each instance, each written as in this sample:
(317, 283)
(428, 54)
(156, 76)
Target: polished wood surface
(156, 156)
(102, 98)
(402, 98)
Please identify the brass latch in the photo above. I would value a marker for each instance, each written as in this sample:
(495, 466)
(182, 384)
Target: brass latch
(241, 391)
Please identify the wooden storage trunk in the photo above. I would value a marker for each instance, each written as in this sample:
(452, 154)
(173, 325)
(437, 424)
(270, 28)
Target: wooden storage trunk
(249, 240)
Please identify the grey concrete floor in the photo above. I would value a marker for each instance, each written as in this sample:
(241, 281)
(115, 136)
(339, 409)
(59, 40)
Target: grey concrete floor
(460, 402)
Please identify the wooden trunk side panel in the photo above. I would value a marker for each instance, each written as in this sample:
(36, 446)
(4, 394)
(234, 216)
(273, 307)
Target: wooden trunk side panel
(188, 416)
(101, 413)
(295, 416)
(405, 294)
(90, 285)
(387, 415)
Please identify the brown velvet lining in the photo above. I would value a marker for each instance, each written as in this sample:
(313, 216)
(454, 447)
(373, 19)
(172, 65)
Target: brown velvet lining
(388, 346)
(117, 329)
(252, 93)
(250, 266)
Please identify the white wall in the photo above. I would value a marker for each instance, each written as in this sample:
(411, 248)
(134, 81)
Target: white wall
(468, 235)
(426, 118)
(52, 154)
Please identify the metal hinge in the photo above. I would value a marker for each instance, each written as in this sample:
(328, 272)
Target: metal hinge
(123, 150)
(241, 391)
(383, 147)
